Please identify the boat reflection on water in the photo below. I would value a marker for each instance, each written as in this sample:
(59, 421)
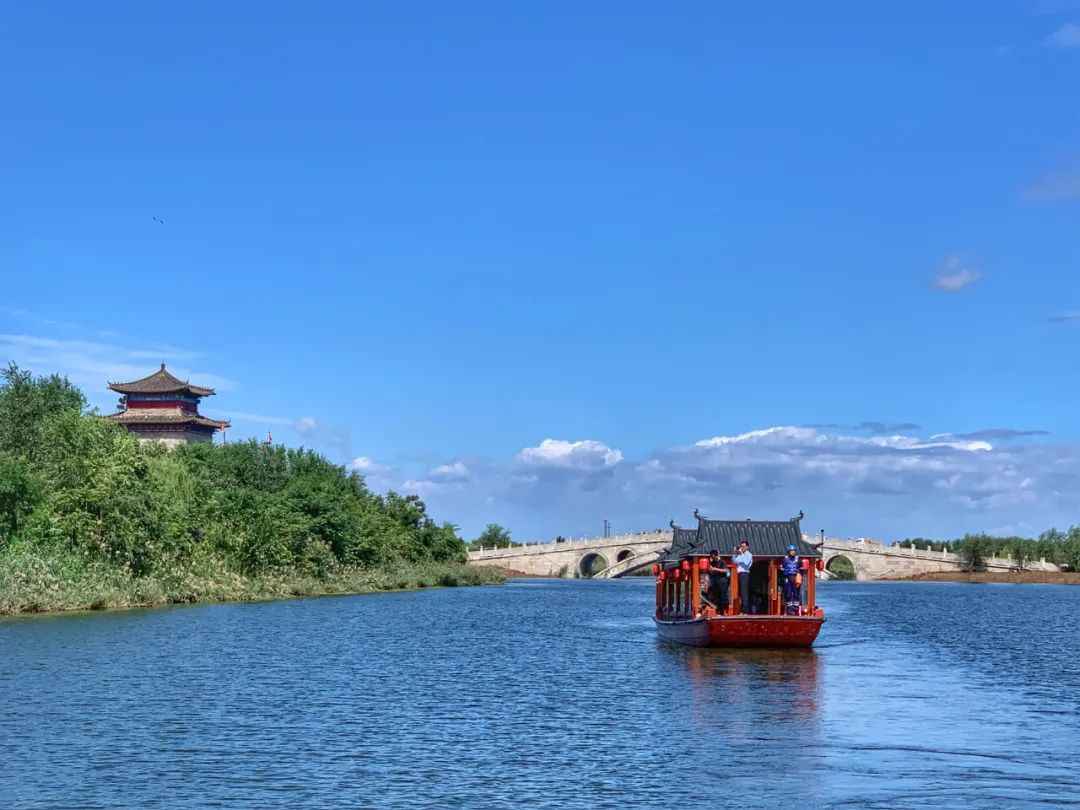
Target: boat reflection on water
(720, 676)
(740, 701)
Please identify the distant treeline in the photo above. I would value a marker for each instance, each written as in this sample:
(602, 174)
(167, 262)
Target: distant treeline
(80, 497)
(1054, 546)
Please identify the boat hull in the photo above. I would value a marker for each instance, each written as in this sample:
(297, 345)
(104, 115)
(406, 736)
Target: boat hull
(742, 631)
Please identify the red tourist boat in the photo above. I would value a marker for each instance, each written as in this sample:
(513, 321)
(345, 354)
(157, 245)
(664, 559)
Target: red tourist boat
(684, 616)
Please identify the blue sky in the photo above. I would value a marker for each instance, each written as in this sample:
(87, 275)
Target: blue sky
(548, 265)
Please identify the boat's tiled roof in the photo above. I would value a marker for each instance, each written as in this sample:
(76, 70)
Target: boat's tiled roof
(160, 382)
(767, 538)
(683, 537)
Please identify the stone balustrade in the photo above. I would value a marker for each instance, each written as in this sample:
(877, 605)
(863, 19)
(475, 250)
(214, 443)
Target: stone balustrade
(595, 555)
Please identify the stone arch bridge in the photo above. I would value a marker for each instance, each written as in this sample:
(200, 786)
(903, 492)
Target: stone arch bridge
(609, 557)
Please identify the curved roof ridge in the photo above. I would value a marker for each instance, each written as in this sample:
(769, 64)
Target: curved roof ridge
(160, 382)
(767, 538)
(166, 417)
(756, 521)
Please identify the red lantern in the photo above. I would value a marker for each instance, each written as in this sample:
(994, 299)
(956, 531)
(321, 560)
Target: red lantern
(662, 576)
(655, 569)
(821, 565)
(685, 565)
(804, 564)
(675, 574)
(703, 564)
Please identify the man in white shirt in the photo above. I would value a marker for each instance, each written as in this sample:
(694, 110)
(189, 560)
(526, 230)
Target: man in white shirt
(743, 559)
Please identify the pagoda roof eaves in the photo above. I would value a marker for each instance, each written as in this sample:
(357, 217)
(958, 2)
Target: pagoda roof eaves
(160, 382)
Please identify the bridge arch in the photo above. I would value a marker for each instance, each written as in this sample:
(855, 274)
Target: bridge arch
(625, 554)
(841, 566)
(590, 564)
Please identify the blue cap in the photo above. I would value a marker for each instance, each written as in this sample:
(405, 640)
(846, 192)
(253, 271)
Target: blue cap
(791, 547)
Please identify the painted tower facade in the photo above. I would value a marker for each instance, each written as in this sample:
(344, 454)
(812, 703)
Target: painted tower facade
(163, 408)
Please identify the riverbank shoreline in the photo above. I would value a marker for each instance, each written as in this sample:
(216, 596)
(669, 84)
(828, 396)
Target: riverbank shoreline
(511, 573)
(21, 595)
(998, 577)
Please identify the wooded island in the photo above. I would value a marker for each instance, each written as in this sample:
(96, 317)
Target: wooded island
(92, 519)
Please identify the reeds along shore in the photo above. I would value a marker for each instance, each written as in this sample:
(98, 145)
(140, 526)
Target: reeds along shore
(37, 583)
(89, 518)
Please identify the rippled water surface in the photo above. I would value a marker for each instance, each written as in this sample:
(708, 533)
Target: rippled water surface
(545, 694)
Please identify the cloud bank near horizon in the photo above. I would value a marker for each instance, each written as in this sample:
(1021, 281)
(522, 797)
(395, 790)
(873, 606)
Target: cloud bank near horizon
(881, 478)
(887, 485)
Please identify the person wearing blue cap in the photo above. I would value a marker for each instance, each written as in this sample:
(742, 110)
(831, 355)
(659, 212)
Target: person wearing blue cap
(789, 567)
(743, 559)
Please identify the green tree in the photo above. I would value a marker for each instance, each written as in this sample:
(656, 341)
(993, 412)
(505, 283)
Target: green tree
(1020, 552)
(96, 494)
(26, 403)
(19, 493)
(973, 551)
(82, 486)
(494, 536)
(1070, 549)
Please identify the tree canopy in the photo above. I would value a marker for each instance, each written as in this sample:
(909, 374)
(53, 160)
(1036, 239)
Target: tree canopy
(494, 536)
(1053, 545)
(75, 481)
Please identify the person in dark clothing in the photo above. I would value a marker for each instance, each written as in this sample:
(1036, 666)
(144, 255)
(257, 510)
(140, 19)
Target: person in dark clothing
(716, 590)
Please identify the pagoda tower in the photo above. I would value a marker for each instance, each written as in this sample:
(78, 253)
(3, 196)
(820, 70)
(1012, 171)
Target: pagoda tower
(162, 408)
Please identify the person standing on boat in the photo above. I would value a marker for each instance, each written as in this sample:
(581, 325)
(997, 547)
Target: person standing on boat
(789, 567)
(716, 584)
(743, 559)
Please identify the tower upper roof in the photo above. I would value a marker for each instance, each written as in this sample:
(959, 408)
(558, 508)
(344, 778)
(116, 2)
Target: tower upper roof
(160, 382)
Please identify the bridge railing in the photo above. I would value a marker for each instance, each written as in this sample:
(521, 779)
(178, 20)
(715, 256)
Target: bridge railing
(636, 538)
(860, 546)
(873, 547)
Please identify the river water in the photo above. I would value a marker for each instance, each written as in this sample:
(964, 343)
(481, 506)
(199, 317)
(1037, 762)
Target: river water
(545, 694)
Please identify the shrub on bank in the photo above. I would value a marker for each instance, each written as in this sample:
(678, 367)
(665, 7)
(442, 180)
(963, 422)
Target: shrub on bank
(45, 580)
(91, 518)
(1059, 547)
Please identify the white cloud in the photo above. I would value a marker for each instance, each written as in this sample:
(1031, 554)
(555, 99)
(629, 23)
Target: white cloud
(92, 365)
(306, 425)
(773, 435)
(456, 471)
(586, 455)
(1065, 317)
(335, 440)
(257, 418)
(1068, 36)
(806, 437)
(367, 466)
(953, 275)
(1055, 186)
(928, 474)
(890, 484)
(426, 487)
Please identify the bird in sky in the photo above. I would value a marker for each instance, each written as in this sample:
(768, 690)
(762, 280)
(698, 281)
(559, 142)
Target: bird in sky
(159, 221)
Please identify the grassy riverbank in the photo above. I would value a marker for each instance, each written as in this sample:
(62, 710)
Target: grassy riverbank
(1016, 578)
(90, 518)
(44, 583)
